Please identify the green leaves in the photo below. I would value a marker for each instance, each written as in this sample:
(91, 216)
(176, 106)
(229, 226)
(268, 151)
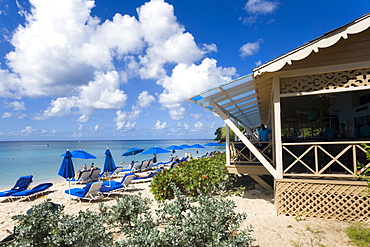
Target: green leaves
(47, 225)
(206, 175)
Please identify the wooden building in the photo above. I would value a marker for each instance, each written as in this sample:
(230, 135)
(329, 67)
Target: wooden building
(322, 84)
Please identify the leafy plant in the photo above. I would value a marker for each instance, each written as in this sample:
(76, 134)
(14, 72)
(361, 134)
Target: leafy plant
(359, 234)
(127, 209)
(46, 225)
(182, 222)
(364, 175)
(198, 176)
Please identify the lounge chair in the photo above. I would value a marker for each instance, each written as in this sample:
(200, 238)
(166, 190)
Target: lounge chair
(144, 167)
(145, 178)
(94, 176)
(27, 194)
(84, 178)
(162, 163)
(116, 172)
(110, 187)
(22, 184)
(90, 192)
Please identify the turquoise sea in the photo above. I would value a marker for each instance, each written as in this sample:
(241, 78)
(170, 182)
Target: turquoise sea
(42, 159)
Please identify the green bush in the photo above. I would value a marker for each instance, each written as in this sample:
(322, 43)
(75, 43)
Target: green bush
(46, 225)
(182, 222)
(198, 176)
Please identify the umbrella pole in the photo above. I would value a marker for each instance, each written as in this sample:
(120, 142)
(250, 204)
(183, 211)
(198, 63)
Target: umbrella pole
(69, 188)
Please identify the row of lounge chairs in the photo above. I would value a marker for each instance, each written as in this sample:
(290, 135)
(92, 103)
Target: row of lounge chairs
(21, 189)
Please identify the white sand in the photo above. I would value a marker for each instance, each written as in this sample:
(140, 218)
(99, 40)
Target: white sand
(269, 229)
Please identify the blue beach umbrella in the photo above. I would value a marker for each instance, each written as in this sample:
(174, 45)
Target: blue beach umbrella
(174, 147)
(156, 150)
(81, 154)
(211, 144)
(133, 151)
(184, 146)
(196, 146)
(67, 170)
(109, 165)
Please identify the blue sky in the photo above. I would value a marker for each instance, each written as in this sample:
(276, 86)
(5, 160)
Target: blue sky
(123, 69)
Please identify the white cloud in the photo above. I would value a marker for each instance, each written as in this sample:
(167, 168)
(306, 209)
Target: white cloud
(258, 63)
(187, 80)
(7, 115)
(260, 6)
(177, 113)
(96, 128)
(102, 93)
(198, 126)
(28, 130)
(126, 120)
(62, 52)
(250, 49)
(145, 99)
(196, 115)
(159, 126)
(16, 105)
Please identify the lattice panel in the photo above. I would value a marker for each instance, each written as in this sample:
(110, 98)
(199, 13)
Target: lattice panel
(322, 200)
(344, 79)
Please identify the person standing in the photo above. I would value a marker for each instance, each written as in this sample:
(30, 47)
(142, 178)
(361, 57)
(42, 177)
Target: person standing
(264, 133)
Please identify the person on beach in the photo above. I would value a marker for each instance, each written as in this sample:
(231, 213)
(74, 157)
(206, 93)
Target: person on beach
(78, 173)
(154, 158)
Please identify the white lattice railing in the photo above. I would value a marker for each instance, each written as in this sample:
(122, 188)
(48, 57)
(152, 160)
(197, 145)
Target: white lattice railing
(311, 159)
(338, 159)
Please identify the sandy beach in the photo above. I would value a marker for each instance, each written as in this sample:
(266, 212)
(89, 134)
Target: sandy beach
(269, 229)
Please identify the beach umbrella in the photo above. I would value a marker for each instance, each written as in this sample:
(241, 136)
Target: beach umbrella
(67, 170)
(133, 151)
(197, 146)
(156, 150)
(109, 165)
(211, 144)
(81, 154)
(184, 146)
(174, 147)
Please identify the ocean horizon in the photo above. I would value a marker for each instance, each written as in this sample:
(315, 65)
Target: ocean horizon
(42, 159)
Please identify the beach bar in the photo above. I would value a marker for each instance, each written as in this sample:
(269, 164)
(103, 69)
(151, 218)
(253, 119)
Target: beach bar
(316, 102)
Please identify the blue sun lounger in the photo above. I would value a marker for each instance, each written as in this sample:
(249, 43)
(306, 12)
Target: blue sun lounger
(22, 184)
(26, 194)
(89, 192)
(109, 187)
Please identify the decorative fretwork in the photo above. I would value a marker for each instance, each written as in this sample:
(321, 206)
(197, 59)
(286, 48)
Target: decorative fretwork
(323, 199)
(343, 79)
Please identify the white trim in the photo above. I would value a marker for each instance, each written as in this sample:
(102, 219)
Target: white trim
(277, 128)
(244, 139)
(324, 41)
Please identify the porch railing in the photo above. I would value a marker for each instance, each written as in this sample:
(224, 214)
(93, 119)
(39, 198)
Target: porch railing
(309, 159)
(325, 159)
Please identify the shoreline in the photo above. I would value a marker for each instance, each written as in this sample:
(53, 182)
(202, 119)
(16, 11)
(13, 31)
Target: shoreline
(268, 228)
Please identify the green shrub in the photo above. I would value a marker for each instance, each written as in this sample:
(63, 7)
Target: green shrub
(182, 222)
(198, 176)
(127, 210)
(46, 225)
(359, 235)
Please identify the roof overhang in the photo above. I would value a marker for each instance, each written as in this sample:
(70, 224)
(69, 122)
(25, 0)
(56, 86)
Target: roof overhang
(242, 99)
(327, 40)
